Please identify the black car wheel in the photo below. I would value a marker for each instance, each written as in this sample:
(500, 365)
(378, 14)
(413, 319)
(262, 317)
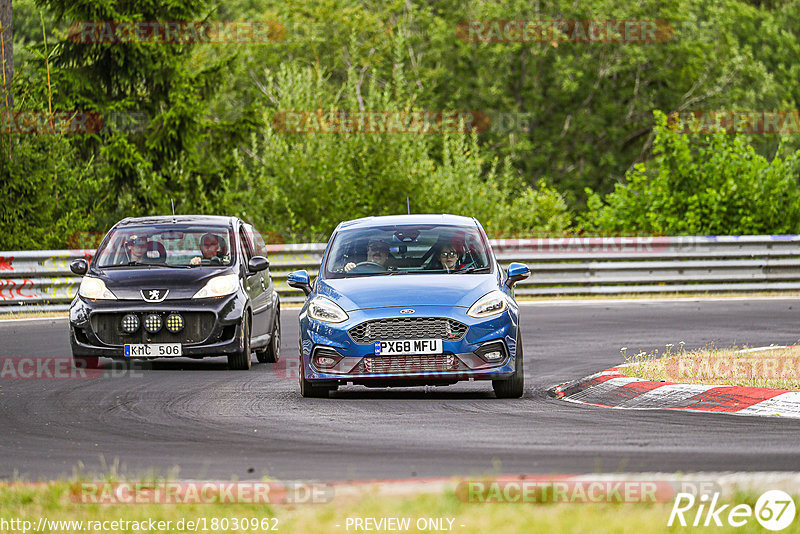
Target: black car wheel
(512, 387)
(272, 352)
(240, 361)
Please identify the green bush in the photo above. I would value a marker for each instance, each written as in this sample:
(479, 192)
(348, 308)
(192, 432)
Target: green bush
(701, 185)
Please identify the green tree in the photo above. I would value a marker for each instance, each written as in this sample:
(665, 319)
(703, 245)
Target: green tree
(57, 201)
(302, 184)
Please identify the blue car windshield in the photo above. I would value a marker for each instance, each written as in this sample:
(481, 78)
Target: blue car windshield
(407, 249)
(167, 245)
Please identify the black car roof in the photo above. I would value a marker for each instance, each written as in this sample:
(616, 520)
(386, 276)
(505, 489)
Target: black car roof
(167, 219)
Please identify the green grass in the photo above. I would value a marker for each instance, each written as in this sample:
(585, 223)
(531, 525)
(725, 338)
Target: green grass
(53, 500)
(776, 368)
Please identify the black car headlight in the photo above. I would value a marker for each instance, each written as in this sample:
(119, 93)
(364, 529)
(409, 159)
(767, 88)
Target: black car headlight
(174, 323)
(95, 289)
(219, 286)
(129, 323)
(152, 323)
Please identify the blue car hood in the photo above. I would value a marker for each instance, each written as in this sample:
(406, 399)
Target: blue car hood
(407, 290)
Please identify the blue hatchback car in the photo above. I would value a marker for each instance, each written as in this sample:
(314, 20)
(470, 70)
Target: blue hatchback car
(410, 300)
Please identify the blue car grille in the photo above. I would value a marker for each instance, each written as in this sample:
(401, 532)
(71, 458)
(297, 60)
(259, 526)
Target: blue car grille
(408, 364)
(408, 328)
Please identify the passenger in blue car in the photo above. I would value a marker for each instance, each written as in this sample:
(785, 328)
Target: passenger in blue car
(450, 259)
(450, 256)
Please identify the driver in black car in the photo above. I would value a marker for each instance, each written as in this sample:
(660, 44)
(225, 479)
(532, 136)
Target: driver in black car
(211, 249)
(377, 252)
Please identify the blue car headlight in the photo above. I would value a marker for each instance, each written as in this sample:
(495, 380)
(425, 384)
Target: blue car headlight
(323, 309)
(490, 304)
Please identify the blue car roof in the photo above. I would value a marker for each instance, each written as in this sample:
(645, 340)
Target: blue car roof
(386, 220)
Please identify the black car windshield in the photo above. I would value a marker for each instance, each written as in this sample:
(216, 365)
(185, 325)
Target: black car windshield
(407, 249)
(167, 245)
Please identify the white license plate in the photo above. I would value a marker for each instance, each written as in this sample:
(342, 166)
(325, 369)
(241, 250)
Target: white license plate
(153, 350)
(404, 347)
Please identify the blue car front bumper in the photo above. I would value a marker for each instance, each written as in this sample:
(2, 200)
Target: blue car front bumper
(463, 358)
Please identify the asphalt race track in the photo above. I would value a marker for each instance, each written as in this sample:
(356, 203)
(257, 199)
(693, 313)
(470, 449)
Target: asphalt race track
(195, 419)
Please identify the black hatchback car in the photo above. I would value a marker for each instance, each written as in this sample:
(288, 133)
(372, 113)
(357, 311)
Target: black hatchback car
(176, 286)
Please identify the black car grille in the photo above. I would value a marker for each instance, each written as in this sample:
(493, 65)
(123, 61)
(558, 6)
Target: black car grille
(197, 327)
(407, 364)
(408, 328)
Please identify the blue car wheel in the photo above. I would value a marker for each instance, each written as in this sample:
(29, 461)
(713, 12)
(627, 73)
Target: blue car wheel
(512, 388)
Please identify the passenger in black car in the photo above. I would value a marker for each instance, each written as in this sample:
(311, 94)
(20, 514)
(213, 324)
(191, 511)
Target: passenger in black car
(137, 249)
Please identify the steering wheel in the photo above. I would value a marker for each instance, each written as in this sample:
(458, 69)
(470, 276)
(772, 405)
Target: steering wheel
(369, 267)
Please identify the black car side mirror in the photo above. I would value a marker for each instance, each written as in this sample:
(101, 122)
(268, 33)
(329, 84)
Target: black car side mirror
(79, 267)
(257, 263)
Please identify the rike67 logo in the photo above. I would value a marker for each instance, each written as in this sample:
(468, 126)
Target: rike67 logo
(774, 510)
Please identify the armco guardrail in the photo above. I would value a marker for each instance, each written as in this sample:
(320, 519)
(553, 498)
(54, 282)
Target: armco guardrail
(561, 266)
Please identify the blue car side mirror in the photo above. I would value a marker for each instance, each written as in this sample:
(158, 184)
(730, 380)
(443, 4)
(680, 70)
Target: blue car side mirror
(300, 280)
(517, 272)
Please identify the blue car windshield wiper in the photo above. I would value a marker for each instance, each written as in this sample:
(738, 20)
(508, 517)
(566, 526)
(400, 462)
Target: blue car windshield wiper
(473, 270)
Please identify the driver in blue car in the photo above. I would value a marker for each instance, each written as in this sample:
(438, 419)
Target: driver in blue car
(377, 252)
